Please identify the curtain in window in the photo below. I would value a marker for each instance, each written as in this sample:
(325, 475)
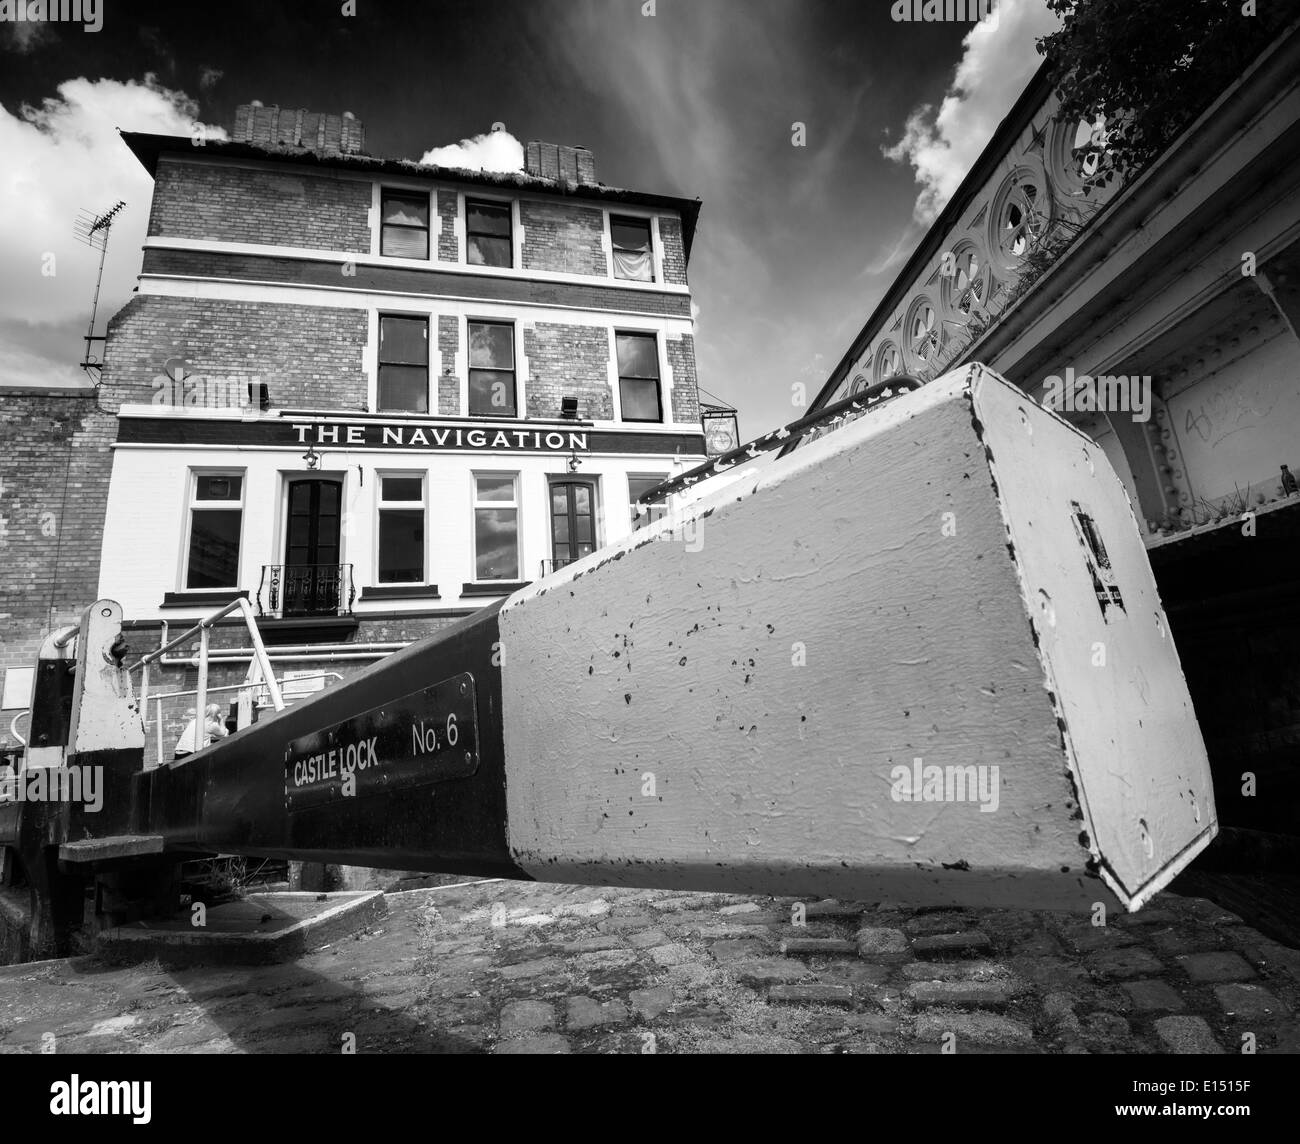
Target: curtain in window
(635, 265)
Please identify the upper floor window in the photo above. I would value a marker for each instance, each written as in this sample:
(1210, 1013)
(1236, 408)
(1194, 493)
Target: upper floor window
(403, 364)
(216, 514)
(488, 239)
(638, 377)
(404, 229)
(633, 253)
(491, 369)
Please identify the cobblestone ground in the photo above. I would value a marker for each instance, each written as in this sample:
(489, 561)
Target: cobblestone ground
(504, 967)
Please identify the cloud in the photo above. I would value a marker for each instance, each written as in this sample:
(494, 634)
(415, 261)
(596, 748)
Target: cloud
(26, 36)
(497, 150)
(209, 77)
(60, 158)
(998, 61)
(897, 255)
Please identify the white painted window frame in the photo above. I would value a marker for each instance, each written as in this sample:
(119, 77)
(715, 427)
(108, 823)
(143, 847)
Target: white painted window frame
(193, 504)
(402, 506)
(517, 504)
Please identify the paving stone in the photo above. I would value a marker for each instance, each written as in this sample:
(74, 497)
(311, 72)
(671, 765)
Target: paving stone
(1204, 967)
(875, 941)
(947, 922)
(960, 944)
(1265, 954)
(812, 994)
(979, 970)
(709, 929)
(878, 1024)
(535, 968)
(605, 959)
(831, 908)
(1130, 961)
(739, 908)
(586, 1013)
(1107, 1029)
(775, 971)
(647, 938)
(526, 1016)
(688, 976)
(1049, 972)
(1059, 1009)
(1179, 941)
(593, 944)
(547, 1043)
(683, 902)
(1032, 945)
(745, 950)
(672, 954)
(858, 973)
(980, 1028)
(1147, 995)
(649, 1003)
(961, 992)
(1090, 938)
(1148, 917)
(1242, 1000)
(806, 946)
(625, 923)
(1187, 1035)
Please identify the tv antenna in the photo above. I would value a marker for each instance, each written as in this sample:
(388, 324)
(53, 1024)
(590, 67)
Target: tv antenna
(93, 231)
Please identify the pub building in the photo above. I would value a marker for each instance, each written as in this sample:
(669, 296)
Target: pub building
(372, 396)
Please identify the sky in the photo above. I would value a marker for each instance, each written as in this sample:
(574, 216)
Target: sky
(821, 136)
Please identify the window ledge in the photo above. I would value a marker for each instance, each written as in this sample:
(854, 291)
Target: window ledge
(495, 588)
(400, 592)
(189, 598)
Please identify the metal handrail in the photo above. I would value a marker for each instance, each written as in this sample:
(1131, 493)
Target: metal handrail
(778, 438)
(203, 628)
(245, 686)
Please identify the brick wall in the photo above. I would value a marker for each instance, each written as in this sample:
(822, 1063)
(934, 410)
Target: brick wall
(448, 384)
(236, 204)
(563, 237)
(686, 396)
(564, 361)
(306, 355)
(448, 209)
(670, 238)
(55, 459)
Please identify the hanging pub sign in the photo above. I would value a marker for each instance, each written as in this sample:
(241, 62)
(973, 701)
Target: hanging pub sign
(721, 432)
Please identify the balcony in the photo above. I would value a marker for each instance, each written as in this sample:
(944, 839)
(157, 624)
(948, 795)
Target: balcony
(304, 591)
(549, 566)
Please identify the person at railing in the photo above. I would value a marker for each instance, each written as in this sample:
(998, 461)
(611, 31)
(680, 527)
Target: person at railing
(213, 728)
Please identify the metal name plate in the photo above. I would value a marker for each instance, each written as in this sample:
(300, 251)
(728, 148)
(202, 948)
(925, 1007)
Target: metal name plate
(426, 737)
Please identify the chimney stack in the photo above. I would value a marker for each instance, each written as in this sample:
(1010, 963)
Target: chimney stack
(552, 161)
(297, 127)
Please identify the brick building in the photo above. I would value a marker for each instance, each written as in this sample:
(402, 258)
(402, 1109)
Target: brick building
(373, 396)
(55, 457)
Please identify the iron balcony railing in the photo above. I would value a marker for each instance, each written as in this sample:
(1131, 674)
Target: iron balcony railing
(549, 566)
(305, 590)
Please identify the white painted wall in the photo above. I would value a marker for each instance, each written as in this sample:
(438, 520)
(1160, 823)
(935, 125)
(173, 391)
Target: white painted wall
(147, 516)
